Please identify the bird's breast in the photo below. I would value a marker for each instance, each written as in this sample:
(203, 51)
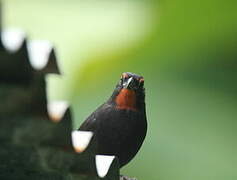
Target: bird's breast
(126, 99)
(121, 133)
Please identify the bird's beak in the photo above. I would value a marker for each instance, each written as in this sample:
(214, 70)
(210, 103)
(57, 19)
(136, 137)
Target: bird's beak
(126, 83)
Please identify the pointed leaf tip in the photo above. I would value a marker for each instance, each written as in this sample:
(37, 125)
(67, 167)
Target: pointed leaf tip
(39, 53)
(57, 109)
(81, 139)
(103, 163)
(12, 39)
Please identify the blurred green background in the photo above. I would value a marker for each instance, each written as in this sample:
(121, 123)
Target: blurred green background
(186, 50)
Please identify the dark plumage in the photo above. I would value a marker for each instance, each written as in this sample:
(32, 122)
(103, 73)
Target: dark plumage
(119, 125)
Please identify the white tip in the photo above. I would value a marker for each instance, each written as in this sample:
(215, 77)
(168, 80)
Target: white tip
(103, 164)
(39, 51)
(128, 82)
(12, 39)
(57, 109)
(81, 139)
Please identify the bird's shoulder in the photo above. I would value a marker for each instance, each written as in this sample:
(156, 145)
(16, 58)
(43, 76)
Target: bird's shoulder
(99, 114)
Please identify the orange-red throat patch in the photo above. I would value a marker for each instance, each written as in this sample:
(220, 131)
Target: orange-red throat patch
(126, 99)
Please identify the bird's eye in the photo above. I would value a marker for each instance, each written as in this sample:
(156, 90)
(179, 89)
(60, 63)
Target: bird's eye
(121, 81)
(141, 82)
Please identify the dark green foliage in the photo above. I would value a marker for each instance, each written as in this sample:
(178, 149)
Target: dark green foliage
(32, 146)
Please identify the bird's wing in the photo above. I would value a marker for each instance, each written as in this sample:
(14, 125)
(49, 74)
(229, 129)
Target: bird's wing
(91, 123)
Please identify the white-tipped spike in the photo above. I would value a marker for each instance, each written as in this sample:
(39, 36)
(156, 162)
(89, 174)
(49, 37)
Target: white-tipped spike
(39, 52)
(57, 109)
(103, 164)
(12, 39)
(81, 139)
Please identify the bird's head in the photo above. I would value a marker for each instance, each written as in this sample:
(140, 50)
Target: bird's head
(131, 81)
(129, 93)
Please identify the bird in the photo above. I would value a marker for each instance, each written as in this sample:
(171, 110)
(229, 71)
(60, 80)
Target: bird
(120, 125)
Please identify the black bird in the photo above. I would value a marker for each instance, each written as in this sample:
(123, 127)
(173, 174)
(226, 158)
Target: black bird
(119, 125)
